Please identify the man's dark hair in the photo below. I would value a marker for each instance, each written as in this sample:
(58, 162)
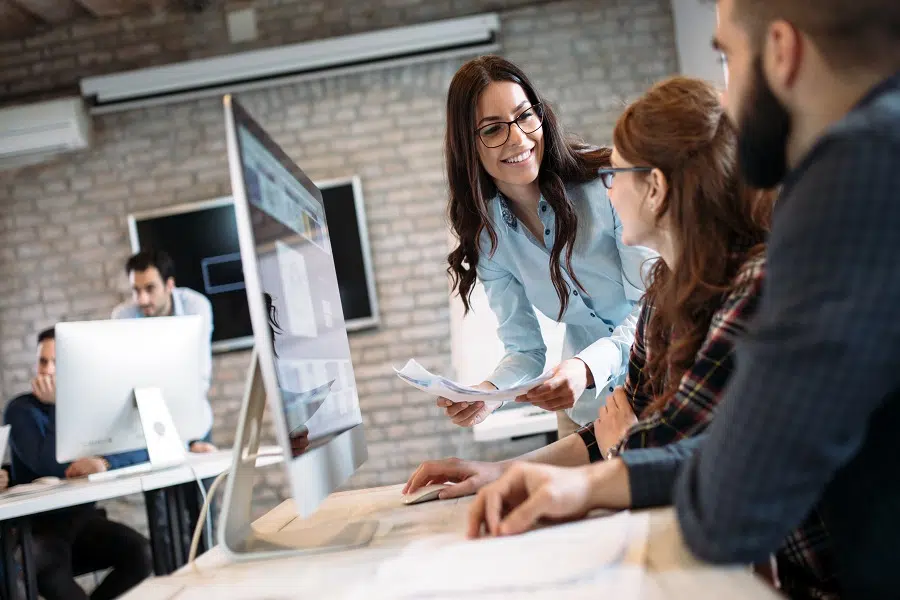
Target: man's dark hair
(47, 334)
(850, 34)
(145, 259)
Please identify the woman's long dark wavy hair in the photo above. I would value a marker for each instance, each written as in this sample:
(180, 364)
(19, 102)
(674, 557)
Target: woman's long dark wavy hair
(566, 161)
(681, 128)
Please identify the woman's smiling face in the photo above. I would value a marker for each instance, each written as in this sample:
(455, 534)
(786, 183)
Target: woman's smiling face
(517, 160)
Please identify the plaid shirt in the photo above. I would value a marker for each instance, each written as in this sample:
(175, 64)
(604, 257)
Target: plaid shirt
(805, 565)
(693, 406)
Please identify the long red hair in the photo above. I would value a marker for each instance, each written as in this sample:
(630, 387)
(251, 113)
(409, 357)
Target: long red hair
(679, 127)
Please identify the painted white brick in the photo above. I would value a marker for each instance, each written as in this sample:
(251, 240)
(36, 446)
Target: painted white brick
(387, 126)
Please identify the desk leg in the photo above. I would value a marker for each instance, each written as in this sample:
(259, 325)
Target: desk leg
(29, 568)
(188, 502)
(172, 514)
(177, 517)
(8, 557)
(161, 540)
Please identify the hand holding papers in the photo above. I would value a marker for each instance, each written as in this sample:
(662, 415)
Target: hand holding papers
(417, 376)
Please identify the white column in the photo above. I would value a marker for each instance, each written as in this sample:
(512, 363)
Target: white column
(695, 25)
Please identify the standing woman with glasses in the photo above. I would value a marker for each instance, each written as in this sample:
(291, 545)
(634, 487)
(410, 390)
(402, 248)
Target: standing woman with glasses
(535, 226)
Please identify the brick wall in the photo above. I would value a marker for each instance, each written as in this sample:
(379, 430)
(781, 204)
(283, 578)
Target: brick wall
(63, 237)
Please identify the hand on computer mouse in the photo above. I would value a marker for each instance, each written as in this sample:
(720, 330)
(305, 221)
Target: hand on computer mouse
(86, 466)
(203, 447)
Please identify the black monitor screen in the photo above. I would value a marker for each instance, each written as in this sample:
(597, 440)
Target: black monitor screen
(202, 240)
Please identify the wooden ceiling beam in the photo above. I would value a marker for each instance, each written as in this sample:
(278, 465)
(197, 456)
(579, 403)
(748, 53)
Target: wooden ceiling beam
(110, 8)
(15, 22)
(53, 12)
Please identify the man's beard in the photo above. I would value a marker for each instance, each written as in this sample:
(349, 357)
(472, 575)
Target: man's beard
(152, 311)
(764, 126)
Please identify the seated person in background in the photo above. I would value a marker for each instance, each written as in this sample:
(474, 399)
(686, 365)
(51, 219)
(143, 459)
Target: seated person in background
(77, 540)
(153, 291)
(4, 480)
(675, 185)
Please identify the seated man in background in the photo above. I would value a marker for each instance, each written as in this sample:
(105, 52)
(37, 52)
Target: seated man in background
(153, 292)
(80, 539)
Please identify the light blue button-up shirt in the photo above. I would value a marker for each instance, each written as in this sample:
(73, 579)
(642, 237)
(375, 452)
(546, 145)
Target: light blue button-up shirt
(600, 324)
(185, 301)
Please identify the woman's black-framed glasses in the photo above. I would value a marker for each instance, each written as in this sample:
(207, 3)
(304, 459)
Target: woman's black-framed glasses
(494, 135)
(607, 175)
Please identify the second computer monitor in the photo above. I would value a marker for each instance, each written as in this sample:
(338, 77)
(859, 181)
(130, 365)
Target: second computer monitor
(99, 364)
(295, 308)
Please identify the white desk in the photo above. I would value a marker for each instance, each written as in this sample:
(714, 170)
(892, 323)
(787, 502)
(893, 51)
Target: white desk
(665, 567)
(515, 423)
(81, 491)
(172, 505)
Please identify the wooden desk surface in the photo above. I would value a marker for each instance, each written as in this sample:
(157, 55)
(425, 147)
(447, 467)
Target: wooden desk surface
(668, 570)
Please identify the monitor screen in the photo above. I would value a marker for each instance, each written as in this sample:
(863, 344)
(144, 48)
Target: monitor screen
(297, 280)
(202, 241)
(201, 238)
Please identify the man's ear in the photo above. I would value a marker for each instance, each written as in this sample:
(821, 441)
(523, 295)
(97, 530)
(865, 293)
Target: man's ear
(782, 54)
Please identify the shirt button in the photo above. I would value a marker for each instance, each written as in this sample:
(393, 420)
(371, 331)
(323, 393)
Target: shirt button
(610, 329)
(546, 232)
(575, 293)
(612, 390)
(593, 315)
(544, 208)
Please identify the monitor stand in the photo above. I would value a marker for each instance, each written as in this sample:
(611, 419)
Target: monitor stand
(237, 535)
(164, 446)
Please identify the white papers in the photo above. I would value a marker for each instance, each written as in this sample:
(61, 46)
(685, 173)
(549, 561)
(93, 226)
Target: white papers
(419, 377)
(582, 559)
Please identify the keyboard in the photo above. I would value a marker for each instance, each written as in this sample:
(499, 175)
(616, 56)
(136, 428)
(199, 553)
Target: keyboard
(25, 489)
(123, 472)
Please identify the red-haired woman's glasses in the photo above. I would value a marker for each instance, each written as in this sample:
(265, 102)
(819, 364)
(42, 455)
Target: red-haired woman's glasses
(494, 135)
(607, 175)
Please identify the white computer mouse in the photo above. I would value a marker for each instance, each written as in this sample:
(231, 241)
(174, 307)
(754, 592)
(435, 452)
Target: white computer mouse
(48, 480)
(425, 494)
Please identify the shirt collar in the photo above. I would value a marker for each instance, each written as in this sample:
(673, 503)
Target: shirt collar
(509, 217)
(506, 213)
(177, 304)
(891, 83)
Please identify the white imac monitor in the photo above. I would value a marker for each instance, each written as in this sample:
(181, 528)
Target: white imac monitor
(302, 355)
(100, 365)
(4, 443)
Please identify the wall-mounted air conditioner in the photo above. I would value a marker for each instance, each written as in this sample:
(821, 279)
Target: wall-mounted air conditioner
(331, 57)
(33, 133)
